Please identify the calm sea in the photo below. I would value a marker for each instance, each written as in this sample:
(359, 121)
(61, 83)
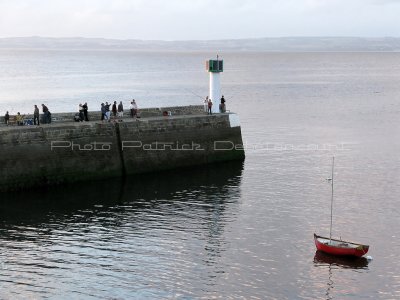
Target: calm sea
(229, 231)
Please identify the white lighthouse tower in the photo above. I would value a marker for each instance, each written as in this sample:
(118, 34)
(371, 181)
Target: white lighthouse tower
(215, 68)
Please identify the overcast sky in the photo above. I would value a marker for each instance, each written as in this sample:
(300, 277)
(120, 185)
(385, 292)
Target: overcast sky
(199, 19)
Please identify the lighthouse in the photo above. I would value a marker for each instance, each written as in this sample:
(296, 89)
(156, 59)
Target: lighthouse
(215, 68)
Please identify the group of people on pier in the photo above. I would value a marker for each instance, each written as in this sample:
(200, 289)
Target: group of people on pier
(208, 104)
(108, 111)
(19, 119)
(117, 110)
(82, 113)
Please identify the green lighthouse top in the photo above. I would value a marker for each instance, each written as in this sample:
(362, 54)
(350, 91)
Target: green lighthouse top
(215, 65)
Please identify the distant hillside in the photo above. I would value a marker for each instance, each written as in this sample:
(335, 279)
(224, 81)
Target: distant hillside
(264, 44)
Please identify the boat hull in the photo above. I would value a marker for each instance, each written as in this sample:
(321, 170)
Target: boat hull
(339, 248)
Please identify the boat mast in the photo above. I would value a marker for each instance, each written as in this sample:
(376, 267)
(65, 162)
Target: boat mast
(330, 230)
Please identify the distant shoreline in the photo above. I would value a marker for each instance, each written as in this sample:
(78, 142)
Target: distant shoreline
(284, 44)
(197, 51)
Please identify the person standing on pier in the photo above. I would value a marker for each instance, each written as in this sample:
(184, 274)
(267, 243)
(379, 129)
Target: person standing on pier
(103, 112)
(7, 118)
(81, 116)
(46, 115)
(120, 110)
(210, 104)
(36, 115)
(114, 109)
(222, 107)
(133, 108)
(85, 111)
(107, 114)
(206, 105)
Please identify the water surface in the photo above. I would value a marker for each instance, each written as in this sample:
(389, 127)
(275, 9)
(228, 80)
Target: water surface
(228, 231)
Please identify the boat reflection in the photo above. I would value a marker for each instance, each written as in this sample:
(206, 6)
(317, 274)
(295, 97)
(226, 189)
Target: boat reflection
(334, 263)
(322, 258)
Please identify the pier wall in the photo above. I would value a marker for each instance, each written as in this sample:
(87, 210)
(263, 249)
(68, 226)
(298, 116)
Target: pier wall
(32, 156)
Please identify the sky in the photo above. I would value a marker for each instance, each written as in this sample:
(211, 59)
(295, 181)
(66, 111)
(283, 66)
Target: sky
(199, 19)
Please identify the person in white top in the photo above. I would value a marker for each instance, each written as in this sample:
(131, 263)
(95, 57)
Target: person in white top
(133, 108)
(206, 105)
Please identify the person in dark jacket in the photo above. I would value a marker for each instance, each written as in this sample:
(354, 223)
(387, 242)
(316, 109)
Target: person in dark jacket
(222, 107)
(120, 110)
(85, 111)
(103, 112)
(81, 115)
(7, 118)
(46, 115)
(114, 109)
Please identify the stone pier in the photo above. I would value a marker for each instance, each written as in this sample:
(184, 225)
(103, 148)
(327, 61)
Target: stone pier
(67, 151)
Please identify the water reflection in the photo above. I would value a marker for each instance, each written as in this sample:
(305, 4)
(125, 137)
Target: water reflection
(140, 191)
(336, 263)
(322, 258)
(137, 238)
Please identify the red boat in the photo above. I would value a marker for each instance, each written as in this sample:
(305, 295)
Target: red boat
(338, 247)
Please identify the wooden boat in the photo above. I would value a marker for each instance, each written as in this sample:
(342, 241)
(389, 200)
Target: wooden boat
(339, 247)
(334, 246)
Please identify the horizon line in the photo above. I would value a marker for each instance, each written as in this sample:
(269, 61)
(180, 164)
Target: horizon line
(200, 40)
